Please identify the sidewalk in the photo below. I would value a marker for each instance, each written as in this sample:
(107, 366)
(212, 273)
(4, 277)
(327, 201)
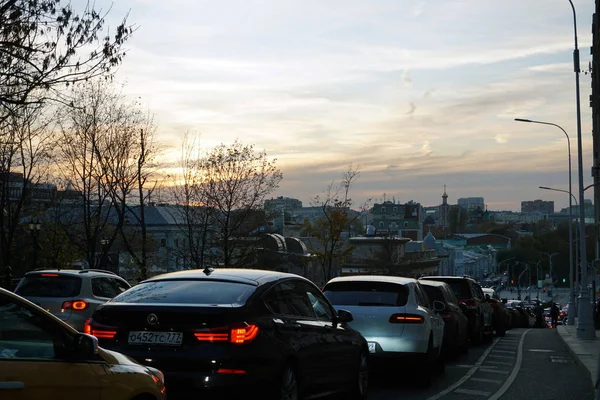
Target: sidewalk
(587, 351)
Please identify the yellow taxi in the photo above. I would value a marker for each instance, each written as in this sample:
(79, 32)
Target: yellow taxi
(42, 358)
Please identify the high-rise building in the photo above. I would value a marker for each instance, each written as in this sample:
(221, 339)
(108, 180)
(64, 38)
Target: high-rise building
(471, 203)
(286, 203)
(537, 206)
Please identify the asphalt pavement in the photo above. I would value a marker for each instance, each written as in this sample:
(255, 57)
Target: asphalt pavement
(527, 364)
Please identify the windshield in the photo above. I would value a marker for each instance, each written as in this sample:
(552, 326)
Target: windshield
(49, 285)
(187, 292)
(367, 293)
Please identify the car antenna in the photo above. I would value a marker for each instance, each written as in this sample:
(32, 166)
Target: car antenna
(208, 270)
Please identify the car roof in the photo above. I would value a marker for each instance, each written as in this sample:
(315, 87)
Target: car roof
(426, 282)
(242, 275)
(446, 278)
(373, 278)
(73, 272)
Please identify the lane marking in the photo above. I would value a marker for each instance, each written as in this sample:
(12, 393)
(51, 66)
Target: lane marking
(504, 357)
(499, 363)
(460, 366)
(486, 380)
(472, 392)
(467, 375)
(515, 371)
(494, 371)
(504, 351)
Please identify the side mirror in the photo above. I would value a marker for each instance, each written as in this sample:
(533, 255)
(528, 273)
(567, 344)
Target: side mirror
(438, 306)
(345, 316)
(84, 346)
(487, 297)
(505, 301)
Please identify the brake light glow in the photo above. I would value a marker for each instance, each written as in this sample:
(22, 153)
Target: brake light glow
(242, 335)
(406, 319)
(231, 371)
(239, 335)
(103, 334)
(49, 275)
(100, 332)
(87, 327)
(77, 305)
(220, 334)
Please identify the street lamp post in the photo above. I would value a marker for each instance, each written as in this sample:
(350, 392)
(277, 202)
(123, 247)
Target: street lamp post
(34, 228)
(551, 265)
(585, 321)
(507, 274)
(573, 266)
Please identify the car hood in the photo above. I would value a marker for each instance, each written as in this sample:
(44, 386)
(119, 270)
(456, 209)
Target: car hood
(114, 358)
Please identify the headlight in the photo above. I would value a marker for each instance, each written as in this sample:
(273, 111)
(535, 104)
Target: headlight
(158, 376)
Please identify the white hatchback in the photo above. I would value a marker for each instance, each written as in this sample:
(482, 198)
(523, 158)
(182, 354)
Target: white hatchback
(393, 313)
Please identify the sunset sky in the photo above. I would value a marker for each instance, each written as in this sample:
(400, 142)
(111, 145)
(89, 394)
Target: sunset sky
(417, 93)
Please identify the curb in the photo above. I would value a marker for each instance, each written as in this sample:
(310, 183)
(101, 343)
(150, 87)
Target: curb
(575, 356)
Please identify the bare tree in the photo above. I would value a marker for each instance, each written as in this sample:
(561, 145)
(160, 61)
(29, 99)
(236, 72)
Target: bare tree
(328, 245)
(47, 44)
(236, 180)
(129, 162)
(85, 131)
(25, 151)
(192, 213)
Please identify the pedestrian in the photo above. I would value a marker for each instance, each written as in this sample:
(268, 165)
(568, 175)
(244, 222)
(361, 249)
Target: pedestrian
(554, 311)
(8, 278)
(539, 315)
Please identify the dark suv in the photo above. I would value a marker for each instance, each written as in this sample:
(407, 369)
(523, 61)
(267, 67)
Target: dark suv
(473, 303)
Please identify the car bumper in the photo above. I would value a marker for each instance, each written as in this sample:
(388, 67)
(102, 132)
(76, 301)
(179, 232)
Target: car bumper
(397, 344)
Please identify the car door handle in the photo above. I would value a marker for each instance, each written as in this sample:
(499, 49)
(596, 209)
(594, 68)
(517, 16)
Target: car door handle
(12, 385)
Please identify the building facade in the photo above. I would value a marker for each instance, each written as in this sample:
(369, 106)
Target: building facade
(471, 204)
(537, 206)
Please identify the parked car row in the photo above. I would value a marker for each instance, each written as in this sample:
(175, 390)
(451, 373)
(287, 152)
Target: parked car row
(272, 333)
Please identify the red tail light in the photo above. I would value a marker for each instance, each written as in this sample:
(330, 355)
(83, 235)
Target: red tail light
(220, 334)
(77, 305)
(231, 371)
(470, 304)
(237, 335)
(406, 319)
(49, 275)
(100, 331)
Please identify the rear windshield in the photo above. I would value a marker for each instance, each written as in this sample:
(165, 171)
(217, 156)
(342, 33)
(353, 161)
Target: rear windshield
(375, 294)
(460, 288)
(434, 293)
(204, 292)
(49, 285)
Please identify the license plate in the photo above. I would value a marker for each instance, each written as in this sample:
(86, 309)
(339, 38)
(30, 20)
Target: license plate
(162, 338)
(372, 347)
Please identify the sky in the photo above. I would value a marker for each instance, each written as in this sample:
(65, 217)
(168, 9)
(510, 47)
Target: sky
(417, 94)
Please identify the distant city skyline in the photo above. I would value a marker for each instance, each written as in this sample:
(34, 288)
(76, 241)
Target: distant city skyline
(419, 93)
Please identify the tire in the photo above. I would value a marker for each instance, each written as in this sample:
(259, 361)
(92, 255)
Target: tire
(361, 383)
(423, 377)
(288, 385)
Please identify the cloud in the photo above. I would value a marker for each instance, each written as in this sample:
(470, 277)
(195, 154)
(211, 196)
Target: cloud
(317, 84)
(501, 138)
(406, 79)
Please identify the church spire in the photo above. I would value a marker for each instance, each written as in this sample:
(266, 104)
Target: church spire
(445, 196)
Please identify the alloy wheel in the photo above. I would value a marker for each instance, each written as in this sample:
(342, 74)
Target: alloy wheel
(289, 385)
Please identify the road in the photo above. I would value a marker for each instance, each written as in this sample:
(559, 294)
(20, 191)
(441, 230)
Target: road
(526, 364)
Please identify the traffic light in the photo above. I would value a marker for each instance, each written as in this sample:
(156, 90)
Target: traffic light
(512, 281)
(564, 280)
